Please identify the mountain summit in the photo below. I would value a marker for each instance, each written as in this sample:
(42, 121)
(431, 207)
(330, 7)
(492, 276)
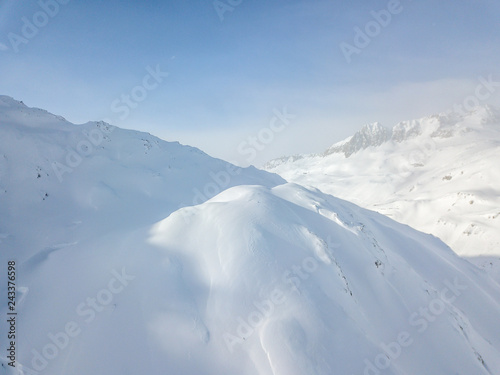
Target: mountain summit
(438, 174)
(371, 135)
(147, 256)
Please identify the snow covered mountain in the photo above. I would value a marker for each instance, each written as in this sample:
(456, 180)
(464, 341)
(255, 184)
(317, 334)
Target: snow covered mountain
(60, 179)
(135, 255)
(370, 135)
(438, 174)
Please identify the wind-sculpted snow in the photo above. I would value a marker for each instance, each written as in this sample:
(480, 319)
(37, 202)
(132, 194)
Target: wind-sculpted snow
(439, 174)
(58, 179)
(296, 282)
(438, 126)
(152, 258)
(272, 281)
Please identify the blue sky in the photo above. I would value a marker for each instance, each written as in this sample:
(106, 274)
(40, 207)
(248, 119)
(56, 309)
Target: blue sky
(227, 77)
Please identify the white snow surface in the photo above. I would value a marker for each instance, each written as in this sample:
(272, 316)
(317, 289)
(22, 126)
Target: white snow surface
(123, 268)
(439, 174)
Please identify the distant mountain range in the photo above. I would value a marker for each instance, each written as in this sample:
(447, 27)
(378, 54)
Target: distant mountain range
(138, 256)
(438, 174)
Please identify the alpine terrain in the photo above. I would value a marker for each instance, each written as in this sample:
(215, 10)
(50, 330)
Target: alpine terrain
(439, 174)
(134, 255)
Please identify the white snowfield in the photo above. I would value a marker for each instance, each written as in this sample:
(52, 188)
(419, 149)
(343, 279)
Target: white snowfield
(252, 276)
(439, 174)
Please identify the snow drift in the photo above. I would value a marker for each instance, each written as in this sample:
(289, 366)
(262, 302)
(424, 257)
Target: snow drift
(439, 174)
(123, 268)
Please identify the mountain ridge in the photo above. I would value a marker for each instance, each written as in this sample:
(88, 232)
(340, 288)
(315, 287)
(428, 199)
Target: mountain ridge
(375, 134)
(437, 174)
(152, 257)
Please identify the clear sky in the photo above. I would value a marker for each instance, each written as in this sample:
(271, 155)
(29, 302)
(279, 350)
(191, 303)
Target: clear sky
(232, 64)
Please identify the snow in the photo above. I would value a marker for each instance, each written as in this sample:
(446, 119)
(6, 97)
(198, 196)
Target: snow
(438, 174)
(132, 265)
(370, 135)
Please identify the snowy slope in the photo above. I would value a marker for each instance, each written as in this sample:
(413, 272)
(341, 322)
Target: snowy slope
(439, 174)
(63, 181)
(263, 278)
(277, 281)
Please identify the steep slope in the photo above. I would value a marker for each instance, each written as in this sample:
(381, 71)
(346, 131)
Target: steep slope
(125, 266)
(59, 181)
(438, 174)
(268, 281)
(370, 135)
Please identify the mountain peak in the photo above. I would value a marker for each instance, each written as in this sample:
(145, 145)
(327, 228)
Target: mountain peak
(15, 112)
(442, 125)
(218, 270)
(442, 166)
(7, 101)
(373, 134)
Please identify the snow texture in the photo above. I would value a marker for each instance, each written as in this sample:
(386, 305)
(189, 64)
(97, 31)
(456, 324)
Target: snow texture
(150, 257)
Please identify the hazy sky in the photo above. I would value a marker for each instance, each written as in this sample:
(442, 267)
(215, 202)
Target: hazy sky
(233, 64)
